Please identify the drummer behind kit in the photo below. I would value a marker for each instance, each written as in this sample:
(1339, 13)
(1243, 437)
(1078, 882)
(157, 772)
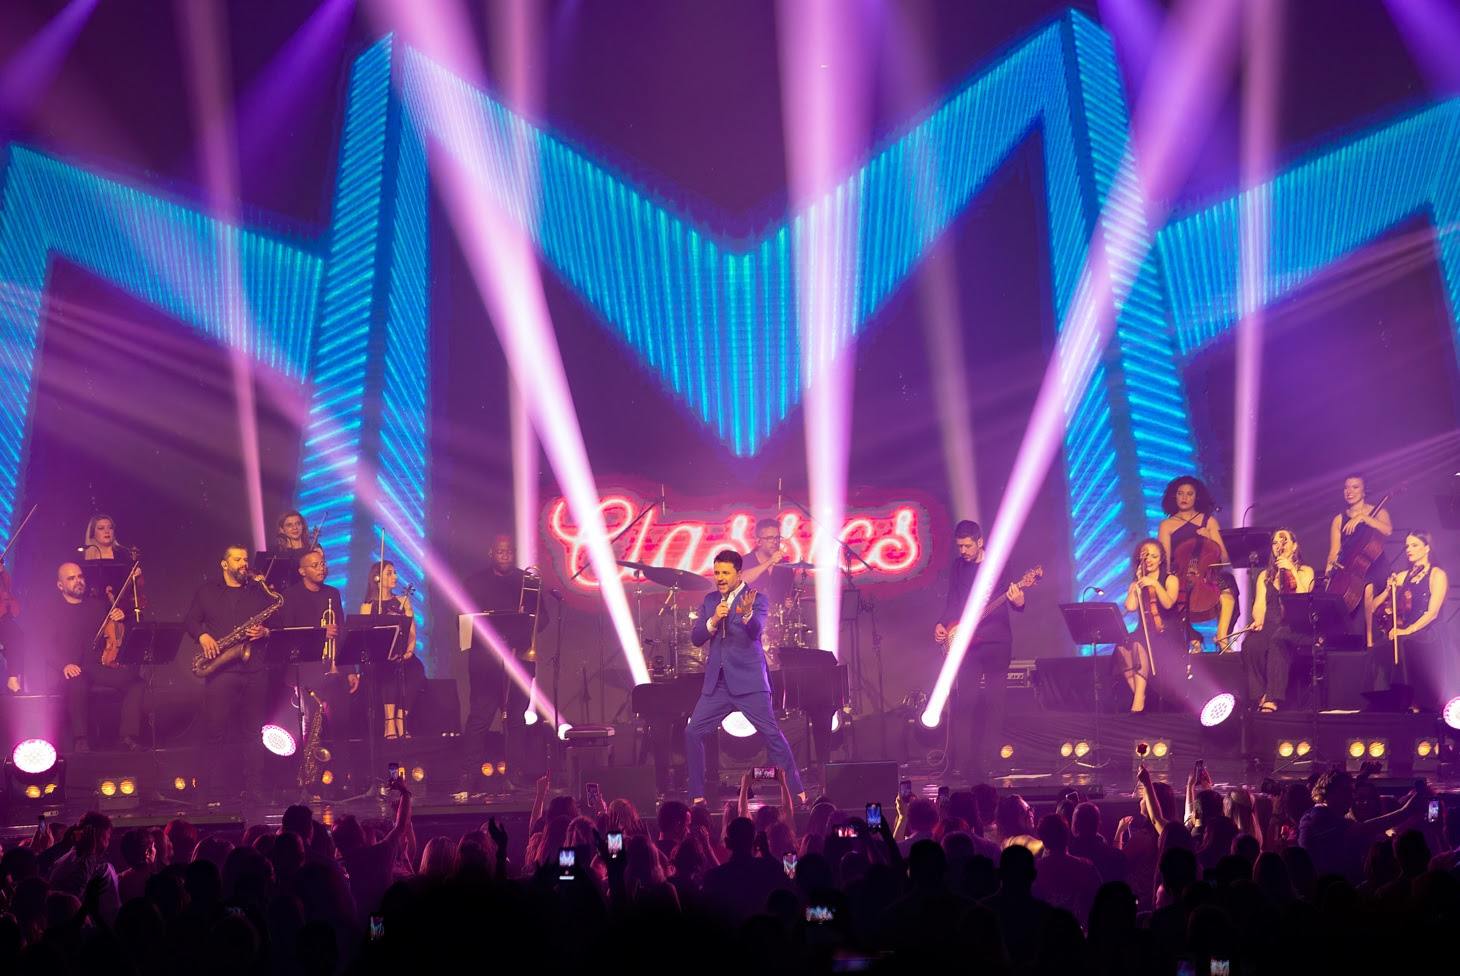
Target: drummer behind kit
(670, 650)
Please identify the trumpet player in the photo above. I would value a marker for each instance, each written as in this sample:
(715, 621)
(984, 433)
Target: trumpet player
(235, 697)
(314, 603)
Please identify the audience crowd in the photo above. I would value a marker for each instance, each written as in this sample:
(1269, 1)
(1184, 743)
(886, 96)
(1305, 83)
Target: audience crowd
(1320, 876)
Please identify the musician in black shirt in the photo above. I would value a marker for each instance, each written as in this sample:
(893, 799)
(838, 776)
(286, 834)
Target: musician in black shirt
(71, 638)
(235, 697)
(499, 588)
(977, 719)
(338, 688)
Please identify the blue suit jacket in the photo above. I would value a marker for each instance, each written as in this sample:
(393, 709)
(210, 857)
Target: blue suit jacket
(735, 646)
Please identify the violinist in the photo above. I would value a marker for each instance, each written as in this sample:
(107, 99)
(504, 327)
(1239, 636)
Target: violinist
(402, 687)
(1157, 635)
(1267, 651)
(101, 541)
(10, 633)
(1192, 541)
(73, 634)
(291, 532)
(1411, 629)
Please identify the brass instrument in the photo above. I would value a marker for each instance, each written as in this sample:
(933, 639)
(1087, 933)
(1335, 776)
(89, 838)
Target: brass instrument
(327, 621)
(531, 588)
(314, 752)
(234, 646)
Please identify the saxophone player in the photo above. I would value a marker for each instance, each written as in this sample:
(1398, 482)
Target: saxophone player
(235, 697)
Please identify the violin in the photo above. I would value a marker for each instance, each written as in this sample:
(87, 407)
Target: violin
(1195, 561)
(114, 630)
(1153, 609)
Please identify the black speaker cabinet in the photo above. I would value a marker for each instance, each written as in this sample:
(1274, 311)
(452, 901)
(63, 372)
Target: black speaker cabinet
(632, 783)
(851, 785)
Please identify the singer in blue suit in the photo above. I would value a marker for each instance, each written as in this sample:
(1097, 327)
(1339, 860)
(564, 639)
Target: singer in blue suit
(736, 680)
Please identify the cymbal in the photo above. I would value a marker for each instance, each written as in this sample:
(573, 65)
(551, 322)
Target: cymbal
(665, 576)
(800, 565)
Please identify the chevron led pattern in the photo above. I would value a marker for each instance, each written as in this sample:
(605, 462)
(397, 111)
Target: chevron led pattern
(672, 292)
(1321, 210)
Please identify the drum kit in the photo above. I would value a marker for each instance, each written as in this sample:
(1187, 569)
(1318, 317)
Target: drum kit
(669, 649)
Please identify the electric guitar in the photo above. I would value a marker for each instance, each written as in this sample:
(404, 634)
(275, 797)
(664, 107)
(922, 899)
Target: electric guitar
(1025, 582)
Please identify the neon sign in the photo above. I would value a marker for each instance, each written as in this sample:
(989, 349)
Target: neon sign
(890, 538)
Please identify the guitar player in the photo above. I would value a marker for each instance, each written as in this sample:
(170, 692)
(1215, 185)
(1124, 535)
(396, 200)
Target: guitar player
(977, 713)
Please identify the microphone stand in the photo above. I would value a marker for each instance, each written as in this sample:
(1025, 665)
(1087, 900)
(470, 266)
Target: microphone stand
(557, 674)
(856, 655)
(581, 569)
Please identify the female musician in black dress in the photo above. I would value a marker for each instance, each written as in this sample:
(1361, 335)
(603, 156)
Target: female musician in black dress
(1267, 650)
(291, 530)
(1419, 595)
(1187, 536)
(1156, 639)
(402, 685)
(101, 541)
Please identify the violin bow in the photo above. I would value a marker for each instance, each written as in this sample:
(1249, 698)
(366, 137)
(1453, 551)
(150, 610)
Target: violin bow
(16, 534)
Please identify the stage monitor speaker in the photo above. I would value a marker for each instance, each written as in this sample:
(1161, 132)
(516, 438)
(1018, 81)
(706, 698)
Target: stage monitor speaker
(632, 783)
(850, 785)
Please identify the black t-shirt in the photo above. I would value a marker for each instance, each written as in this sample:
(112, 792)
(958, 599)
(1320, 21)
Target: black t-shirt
(490, 590)
(68, 631)
(304, 607)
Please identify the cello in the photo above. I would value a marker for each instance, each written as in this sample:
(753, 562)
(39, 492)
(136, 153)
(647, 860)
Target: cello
(1356, 557)
(1195, 561)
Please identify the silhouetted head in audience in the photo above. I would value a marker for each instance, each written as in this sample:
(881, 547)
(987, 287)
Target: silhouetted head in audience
(673, 821)
(922, 816)
(740, 837)
(1336, 789)
(1086, 820)
(297, 819)
(1178, 870)
(1055, 833)
(926, 864)
(183, 837)
(1016, 870)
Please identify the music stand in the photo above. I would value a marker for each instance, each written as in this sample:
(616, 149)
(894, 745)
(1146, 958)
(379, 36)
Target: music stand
(156, 645)
(514, 629)
(103, 573)
(294, 645)
(1094, 624)
(1248, 548)
(279, 569)
(1320, 615)
(370, 639)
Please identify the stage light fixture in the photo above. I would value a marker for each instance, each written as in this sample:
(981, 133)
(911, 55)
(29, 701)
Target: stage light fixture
(738, 725)
(1160, 748)
(278, 740)
(530, 716)
(1425, 748)
(488, 769)
(1082, 749)
(1377, 748)
(1067, 749)
(417, 774)
(327, 777)
(501, 769)
(836, 720)
(1218, 709)
(1007, 752)
(35, 757)
(1286, 749)
(179, 784)
(563, 731)
(107, 788)
(1304, 747)
(1356, 749)
(1451, 713)
(127, 787)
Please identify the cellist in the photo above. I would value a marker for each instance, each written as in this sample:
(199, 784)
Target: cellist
(1192, 541)
(1344, 536)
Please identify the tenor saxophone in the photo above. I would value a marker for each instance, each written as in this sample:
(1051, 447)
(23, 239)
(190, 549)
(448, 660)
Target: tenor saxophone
(314, 752)
(234, 646)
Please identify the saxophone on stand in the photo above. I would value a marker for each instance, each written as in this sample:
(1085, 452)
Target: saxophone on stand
(313, 716)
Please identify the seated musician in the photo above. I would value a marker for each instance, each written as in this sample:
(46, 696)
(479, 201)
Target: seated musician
(1405, 623)
(1157, 637)
(1344, 539)
(80, 657)
(290, 534)
(101, 541)
(236, 695)
(763, 564)
(403, 684)
(1267, 650)
(498, 588)
(1186, 535)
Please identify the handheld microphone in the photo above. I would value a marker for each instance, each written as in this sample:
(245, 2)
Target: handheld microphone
(556, 595)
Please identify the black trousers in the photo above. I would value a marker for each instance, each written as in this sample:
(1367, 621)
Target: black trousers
(236, 706)
(124, 681)
(977, 714)
(493, 693)
(1267, 655)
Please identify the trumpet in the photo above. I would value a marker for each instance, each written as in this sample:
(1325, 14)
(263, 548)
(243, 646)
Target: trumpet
(328, 620)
